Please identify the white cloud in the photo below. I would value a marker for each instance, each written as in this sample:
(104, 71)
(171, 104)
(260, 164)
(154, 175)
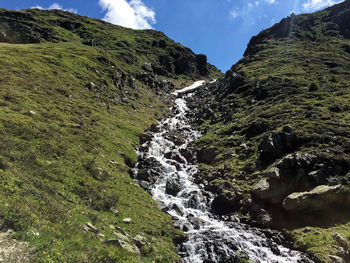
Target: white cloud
(246, 10)
(56, 5)
(234, 13)
(133, 14)
(312, 5)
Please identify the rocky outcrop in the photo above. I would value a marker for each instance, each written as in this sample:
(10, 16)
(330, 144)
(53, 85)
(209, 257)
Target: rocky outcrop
(301, 182)
(275, 145)
(319, 198)
(206, 155)
(226, 203)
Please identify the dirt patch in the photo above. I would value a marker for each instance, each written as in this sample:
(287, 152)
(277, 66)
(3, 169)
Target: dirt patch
(12, 250)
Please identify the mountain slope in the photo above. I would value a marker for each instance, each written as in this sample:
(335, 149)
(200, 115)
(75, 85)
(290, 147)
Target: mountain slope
(276, 130)
(76, 93)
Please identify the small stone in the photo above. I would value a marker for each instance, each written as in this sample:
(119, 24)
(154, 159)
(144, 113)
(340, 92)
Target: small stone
(77, 126)
(90, 227)
(127, 220)
(140, 241)
(114, 211)
(91, 85)
(31, 112)
(114, 162)
(307, 230)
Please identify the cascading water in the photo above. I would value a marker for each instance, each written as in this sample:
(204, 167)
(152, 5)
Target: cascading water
(164, 171)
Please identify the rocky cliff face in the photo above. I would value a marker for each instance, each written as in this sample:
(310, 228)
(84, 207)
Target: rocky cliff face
(276, 141)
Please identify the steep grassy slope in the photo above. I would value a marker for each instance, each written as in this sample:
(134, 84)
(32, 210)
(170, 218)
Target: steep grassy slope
(285, 105)
(75, 94)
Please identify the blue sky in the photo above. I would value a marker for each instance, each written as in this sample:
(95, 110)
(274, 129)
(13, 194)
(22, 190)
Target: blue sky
(221, 29)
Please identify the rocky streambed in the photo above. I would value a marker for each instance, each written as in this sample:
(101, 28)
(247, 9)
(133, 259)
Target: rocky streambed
(167, 170)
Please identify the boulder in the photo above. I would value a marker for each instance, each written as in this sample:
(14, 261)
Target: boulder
(90, 227)
(155, 128)
(123, 244)
(320, 197)
(296, 160)
(146, 137)
(226, 203)
(140, 241)
(188, 154)
(173, 187)
(336, 259)
(275, 145)
(206, 155)
(271, 190)
(174, 156)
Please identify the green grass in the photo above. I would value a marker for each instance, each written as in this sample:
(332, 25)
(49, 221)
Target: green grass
(61, 146)
(66, 145)
(286, 81)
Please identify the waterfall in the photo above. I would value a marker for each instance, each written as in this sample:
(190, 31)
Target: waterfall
(166, 171)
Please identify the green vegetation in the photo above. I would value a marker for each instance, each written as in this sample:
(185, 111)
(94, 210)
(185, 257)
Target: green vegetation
(295, 74)
(72, 109)
(64, 154)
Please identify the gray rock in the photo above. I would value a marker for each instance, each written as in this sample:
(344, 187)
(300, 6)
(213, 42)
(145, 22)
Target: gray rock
(318, 198)
(140, 241)
(127, 220)
(123, 244)
(90, 227)
(91, 86)
(336, 259)
(341, 241)
(114, 211)
(275, 145)
(274, 173)
(287, 162)
(226, 203)
(173, 187)
(121, 236)
(147, 66)
(271, 190)
(146, 137)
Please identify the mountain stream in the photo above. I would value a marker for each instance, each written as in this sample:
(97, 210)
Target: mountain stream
(164, 171)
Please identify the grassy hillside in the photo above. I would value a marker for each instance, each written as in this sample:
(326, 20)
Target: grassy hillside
(75, 95)
(285, 105)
